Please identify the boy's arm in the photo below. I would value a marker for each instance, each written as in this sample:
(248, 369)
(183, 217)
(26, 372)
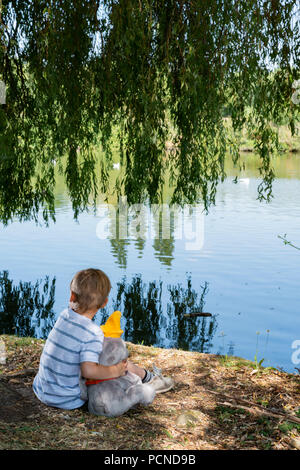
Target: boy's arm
(92, 370)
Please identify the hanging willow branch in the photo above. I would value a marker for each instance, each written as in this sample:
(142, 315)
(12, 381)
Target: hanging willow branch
(75, 70)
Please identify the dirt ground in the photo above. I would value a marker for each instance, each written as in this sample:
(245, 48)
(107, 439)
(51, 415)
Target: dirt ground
(218, 402)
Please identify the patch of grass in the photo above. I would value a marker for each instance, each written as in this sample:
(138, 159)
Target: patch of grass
(266, 426)
(13, 342)
(235, 362)
(258, 364)
(27, 428)
(225, 413)
(286, 427)
(267, 445)
(263, 401)
(168, 434)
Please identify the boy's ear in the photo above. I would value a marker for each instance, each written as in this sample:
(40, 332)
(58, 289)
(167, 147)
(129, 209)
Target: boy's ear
(73, 297)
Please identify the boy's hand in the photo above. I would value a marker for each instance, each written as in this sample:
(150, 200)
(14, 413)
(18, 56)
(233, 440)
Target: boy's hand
(121, 368)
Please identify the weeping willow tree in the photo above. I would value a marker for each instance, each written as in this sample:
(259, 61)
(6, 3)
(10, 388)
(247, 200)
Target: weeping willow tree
(75, 70)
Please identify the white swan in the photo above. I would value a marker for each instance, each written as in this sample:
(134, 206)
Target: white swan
(244, 181)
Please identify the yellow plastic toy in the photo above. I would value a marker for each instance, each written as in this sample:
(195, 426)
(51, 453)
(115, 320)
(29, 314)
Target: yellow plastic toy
(112, 327)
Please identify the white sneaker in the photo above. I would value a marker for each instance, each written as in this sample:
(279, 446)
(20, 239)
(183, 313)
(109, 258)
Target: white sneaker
(159, 383)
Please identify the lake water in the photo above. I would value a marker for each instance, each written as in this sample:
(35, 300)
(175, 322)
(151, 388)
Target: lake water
(229, 263)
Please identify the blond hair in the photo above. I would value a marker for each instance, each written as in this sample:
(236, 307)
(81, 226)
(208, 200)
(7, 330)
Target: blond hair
(91, 288)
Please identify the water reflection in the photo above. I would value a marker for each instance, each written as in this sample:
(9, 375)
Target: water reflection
(26, 309)
(119, 251)
(160, 224)
(163, 225)
(194, 334)
(154, 315)
(122, 228)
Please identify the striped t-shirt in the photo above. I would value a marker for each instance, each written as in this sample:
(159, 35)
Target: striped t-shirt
(73, 339)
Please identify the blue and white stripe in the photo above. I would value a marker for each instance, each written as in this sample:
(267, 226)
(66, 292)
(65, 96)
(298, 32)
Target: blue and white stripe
(73, 339)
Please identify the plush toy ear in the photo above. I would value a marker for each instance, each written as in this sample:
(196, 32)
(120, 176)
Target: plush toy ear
(114, 351)
(112, 327)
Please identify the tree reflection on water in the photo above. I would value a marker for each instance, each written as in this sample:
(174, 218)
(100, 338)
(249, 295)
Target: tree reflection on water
(155, 316)
(26, 309)
(153, 312)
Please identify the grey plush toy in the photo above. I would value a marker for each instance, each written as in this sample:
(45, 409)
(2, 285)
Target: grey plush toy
(114, 397)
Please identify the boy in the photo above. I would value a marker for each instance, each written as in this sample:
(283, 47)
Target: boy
(74, 344)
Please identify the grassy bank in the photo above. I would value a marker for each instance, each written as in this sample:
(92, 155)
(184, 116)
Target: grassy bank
(288, 143)
(218, 403)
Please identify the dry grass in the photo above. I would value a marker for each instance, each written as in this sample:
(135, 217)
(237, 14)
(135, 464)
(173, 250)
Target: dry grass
(200, 413)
